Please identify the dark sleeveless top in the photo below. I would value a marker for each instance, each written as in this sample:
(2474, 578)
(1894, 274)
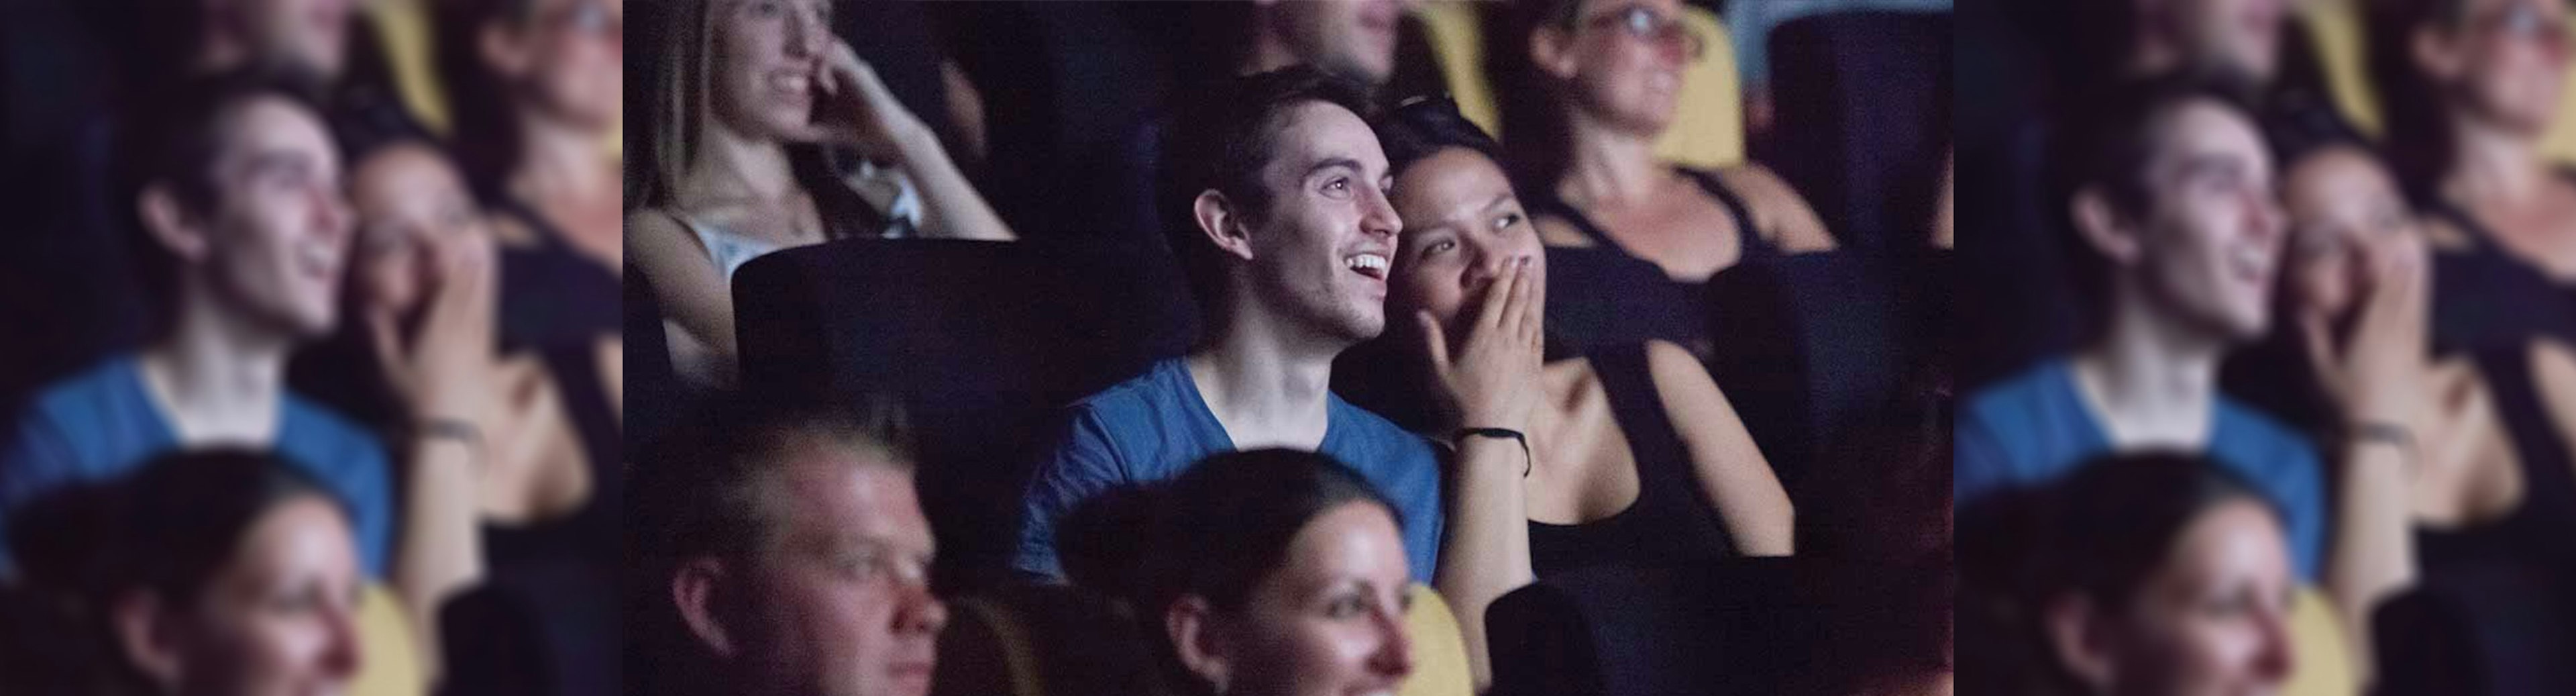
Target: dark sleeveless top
(2487, 297)
(556, 303)
(2539, 533)
(1672, 520)
(1655, 307)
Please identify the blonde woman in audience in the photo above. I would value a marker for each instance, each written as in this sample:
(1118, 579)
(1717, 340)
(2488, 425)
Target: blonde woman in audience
(753, 98)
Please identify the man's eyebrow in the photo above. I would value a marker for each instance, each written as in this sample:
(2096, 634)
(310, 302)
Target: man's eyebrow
(1329, 163)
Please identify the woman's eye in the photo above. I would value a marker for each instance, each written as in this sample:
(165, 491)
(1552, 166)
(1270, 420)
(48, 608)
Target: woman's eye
(1346, 607)
(1439, 247)
(1507, 221)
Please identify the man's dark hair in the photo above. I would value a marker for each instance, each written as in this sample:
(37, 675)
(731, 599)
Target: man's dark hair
(2118, 135)
(176, 137)
(1221, 140)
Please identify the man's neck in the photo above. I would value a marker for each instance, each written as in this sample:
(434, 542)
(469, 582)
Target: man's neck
(2153, 380)
(218, 377)
(1266, 386)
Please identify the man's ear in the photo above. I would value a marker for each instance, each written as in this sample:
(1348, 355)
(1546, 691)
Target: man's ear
(1190, 623)
(2102, 226)
(147, 639)
(698, 590)
(1223, 223)
(1551, 50)
(2076, 633)
(171, 224)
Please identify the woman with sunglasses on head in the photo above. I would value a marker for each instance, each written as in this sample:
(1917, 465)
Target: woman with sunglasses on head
(535, 95)
(2469, 89)
(1633, 455)
(752, 98)
(1605, 78)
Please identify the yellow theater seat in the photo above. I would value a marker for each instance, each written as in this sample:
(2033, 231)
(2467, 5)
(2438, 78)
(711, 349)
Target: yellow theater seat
(2335, 28)
(2323, 656)
(1458, 43)
(403, 28)
(390, 665)
(1708, 124)
(1439, 651)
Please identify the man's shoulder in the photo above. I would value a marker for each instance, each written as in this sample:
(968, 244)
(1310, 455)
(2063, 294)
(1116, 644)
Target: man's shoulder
(93, 391)
(1376, 435)
(1144, 394)
(2019, 395)
(2261, 440)
(334, 441)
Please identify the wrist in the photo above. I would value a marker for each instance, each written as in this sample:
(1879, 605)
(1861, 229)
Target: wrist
(450, 430)
(1459, 439)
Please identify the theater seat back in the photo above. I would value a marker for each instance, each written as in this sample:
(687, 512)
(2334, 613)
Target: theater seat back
(982, 342)
(1043, 640)
(1863, 102)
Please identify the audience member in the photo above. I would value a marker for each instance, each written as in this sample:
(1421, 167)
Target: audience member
(1276, 193)
(2447, 461)
(208, 572)
(2141, 574)
(1603, 79)
(2468, 89)
(238, 187)
(1638, 458)
(1273, 571)
(529, 507)
(784, 553)
(754, 97)
(2174, 203)
(535, 87)
(2020, 101)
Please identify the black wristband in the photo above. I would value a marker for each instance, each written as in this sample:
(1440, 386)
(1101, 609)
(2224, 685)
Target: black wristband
(2383, 432)
(1527, 459)
(457, 429)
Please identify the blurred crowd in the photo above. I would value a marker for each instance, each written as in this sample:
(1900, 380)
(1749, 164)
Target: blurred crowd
(2271, 384)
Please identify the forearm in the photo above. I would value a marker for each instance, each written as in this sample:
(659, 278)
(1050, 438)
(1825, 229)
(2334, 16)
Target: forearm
(2373, 552)
(441, 549)
(1485, 553)
(950, 206)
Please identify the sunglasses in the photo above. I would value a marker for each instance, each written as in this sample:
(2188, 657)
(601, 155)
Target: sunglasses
(1644, 24)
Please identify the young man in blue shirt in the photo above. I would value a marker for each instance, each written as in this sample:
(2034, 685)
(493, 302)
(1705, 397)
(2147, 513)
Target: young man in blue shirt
(2175, 205)
(236, 186)
(1274, 190)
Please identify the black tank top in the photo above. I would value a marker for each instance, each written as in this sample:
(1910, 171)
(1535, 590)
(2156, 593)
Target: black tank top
(2486, 297)
(2541, 531)
(1665, 308)
(1672, 519)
